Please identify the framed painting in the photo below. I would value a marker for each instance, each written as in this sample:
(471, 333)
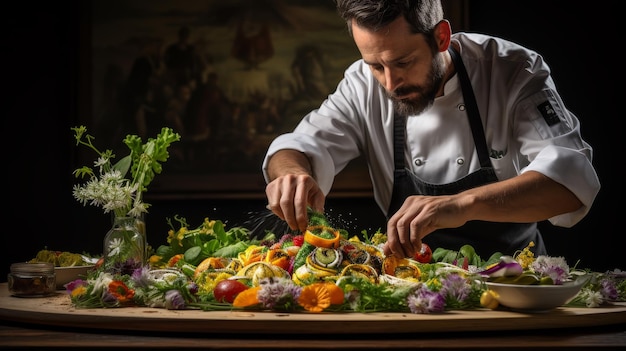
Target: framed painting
(229, 76)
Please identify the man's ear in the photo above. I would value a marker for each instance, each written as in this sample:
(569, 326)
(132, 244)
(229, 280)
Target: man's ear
(442, 34)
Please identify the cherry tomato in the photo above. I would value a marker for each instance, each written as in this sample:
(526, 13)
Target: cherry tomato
(424, 255)
(226, 290)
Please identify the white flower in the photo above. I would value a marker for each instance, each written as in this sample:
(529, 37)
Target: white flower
(554, 267)
(110, 189)
(101, 283)
(594, 298)
(115, 247)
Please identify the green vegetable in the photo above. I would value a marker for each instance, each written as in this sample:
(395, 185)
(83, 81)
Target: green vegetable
(315, 219)
(192, 255)
(304, 251)
(466, 251)
(210, 239)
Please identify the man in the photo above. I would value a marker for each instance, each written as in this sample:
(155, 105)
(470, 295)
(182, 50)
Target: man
(466, 137)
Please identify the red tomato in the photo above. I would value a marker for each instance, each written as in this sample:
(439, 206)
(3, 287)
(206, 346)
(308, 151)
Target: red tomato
(226, 290)
(424, 255)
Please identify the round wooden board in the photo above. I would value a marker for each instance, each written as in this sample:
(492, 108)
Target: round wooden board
(58, 311)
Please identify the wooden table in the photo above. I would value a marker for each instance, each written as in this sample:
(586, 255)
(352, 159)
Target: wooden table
(53, 323)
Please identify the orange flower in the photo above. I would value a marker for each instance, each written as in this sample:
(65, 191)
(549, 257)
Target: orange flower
(120, 291)
(247, 298)
(335, 292)
(315, 297)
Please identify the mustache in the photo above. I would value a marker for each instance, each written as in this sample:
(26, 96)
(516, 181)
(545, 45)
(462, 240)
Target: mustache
(404, 91)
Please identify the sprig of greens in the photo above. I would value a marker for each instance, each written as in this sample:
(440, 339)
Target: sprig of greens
(109, 188)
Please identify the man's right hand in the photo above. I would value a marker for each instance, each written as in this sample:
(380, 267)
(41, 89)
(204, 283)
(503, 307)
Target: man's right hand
(293, 189)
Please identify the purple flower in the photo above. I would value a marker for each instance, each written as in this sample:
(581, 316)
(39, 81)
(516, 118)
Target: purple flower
(141, 277)
(553, 267)
(455, 287)
(174, 300)
(609, 290)
(277, 293)
(108, 299)
(423, 301)
(127, 267)
(192, 287)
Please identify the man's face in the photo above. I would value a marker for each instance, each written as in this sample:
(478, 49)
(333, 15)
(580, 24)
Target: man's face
(403, 63)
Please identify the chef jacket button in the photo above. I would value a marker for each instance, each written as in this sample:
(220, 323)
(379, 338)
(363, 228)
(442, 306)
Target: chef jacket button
(419, 162)
(460, 161)
(461, 107)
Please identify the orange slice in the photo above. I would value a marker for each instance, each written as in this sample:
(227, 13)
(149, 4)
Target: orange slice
(318, 241)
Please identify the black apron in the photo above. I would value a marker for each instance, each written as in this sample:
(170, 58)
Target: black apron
(486, 237)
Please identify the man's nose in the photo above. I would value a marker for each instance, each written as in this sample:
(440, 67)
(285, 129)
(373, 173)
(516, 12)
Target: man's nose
(393, 79)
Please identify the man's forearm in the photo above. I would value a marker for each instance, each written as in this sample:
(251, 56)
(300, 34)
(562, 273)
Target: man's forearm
(530, 197)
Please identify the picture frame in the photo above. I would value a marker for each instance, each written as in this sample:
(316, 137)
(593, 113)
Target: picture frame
(228, 76)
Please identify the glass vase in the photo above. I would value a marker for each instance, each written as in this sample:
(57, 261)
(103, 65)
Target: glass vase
(124, 246)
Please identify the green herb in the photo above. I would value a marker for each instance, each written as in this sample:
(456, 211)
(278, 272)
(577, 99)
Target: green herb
(109, 188)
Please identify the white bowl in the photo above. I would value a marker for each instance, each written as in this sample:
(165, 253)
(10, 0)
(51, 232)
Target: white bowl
(536, 298)
(65, 275)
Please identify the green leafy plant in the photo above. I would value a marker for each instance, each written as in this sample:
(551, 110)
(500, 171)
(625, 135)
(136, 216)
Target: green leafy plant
(107, 186)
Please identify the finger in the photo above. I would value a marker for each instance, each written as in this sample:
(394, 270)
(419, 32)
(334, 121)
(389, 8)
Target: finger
(404, 236)
(301, 201)
(415, 235)
(393, 246)
(284, 206)
(273, 199)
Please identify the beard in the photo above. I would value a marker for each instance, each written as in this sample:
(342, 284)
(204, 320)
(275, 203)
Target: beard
(425, 93)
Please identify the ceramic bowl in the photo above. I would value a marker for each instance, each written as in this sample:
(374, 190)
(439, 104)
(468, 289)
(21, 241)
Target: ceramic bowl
(65, 275)
(536, 298)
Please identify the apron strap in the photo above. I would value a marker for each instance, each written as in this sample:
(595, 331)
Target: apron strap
(472, 109)
(399, 131)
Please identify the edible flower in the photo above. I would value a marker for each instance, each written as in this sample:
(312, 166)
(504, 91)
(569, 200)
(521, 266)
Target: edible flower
(554, 268)
(454, 282)
(601, 288)
(108, 187)
(525, 268)
(424, 301)
(507, 266)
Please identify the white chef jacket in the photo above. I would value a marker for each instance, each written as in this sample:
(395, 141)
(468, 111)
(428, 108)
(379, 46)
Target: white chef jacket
(527, 127)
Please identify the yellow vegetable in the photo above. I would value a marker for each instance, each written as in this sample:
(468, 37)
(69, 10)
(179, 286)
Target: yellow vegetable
(488, 299)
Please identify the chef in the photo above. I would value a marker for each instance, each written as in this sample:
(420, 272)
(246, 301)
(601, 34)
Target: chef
(466, 138)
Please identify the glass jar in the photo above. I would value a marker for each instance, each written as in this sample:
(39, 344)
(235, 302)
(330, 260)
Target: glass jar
(124, 246)
(32, 279)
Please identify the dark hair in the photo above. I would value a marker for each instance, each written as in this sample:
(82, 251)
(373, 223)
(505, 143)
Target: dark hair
(422, 15)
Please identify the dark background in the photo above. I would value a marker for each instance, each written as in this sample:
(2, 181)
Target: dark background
(44, 71)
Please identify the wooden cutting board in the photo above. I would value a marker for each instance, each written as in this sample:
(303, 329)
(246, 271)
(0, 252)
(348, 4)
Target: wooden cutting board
(58, 311)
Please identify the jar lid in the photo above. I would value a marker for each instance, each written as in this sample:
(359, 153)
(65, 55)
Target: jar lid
(39, 267)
